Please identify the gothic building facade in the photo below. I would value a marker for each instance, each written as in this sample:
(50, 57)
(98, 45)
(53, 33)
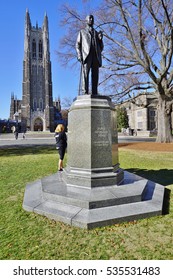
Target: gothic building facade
(36, 109)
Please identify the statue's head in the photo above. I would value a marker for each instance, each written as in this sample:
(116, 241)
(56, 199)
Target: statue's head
(90, 20)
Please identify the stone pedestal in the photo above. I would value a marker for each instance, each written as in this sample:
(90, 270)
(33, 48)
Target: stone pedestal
(91, 138)
(93, 191)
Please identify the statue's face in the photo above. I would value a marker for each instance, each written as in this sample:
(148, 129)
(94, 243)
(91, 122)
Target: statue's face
(90, 20)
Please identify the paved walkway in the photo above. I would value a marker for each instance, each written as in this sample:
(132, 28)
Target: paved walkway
(31, 139)
(47, 139)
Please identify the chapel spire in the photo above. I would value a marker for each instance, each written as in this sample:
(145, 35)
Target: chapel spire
(27, 32)
(27, 19)
(45, 23)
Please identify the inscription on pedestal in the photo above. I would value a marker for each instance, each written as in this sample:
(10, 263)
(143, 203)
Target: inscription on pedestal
(102, 137)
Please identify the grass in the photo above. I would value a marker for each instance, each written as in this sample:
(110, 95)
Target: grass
(25, 235)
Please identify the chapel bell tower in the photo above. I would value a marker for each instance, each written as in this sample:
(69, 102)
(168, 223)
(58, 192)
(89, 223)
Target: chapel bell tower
(37, 110)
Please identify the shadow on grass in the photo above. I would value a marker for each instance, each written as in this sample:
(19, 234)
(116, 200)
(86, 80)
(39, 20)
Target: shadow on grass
(20, 151)
(162, 176)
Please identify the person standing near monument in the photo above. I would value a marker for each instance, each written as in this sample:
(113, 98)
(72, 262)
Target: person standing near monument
(61, 144)
(89, 46)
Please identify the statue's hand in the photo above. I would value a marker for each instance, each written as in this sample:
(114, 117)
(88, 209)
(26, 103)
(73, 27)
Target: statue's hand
(100, 35)
(80, 59)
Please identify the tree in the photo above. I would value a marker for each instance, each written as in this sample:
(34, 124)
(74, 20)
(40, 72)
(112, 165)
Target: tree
(66, 103)
(122, 118)
(138, 39)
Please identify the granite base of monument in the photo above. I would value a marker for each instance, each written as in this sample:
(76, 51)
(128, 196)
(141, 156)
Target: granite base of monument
(93, 191)
(135, 198)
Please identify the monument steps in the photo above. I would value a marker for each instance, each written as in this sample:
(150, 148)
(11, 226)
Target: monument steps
(91, 197)
(92, 208)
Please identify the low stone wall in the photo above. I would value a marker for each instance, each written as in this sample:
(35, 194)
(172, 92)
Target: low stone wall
(146, 133)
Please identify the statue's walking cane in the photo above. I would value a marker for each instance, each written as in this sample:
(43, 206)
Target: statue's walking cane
(80, 78)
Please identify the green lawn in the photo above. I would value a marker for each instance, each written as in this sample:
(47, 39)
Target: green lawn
(25, 235)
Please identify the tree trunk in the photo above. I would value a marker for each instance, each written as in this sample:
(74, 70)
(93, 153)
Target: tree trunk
(164, 134)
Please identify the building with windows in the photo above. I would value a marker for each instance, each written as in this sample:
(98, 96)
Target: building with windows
(36, 109)
(142, 113)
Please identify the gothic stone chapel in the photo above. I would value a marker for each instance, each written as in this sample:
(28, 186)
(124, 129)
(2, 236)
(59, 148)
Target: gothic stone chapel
(36, 108)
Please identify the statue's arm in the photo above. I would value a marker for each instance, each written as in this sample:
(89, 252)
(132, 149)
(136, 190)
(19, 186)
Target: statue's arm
(100, 39)
(79, 47)
(101, 45)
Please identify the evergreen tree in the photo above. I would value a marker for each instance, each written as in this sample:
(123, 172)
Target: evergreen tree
(122, 118)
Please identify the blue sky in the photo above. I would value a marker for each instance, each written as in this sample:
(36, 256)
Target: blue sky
(12, 20)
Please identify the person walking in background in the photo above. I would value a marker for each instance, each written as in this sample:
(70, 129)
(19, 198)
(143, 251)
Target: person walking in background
(23, 128)
(16, 132)
(61, 144)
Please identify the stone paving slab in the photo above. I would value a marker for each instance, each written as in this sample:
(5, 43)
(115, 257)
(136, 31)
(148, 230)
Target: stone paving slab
(57, 211)
(115, 214)
(33, 196)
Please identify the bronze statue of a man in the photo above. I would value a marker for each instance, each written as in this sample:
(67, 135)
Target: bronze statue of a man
(89, 46)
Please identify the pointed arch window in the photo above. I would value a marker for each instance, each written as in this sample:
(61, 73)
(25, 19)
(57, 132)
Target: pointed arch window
(35, 104)
(41, 104)
(33, 48)
(40, 47)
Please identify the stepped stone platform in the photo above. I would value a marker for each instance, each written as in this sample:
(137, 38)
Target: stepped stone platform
(135, 198)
